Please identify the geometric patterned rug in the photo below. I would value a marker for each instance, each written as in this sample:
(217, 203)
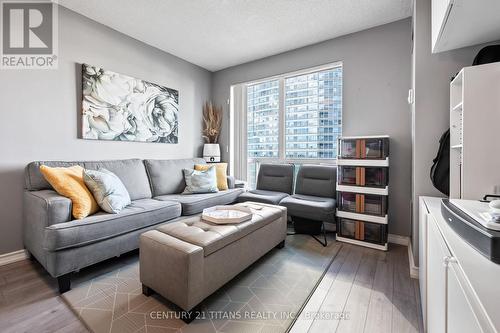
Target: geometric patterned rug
(264, 298)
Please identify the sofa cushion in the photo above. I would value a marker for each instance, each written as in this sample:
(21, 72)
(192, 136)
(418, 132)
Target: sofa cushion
(200, 181)
(269, 197)
(275, 177)
(221, 171)
(316, 180)
(68, 182)
(166, 176)
(140, 214)
(310, 207)
(212, 237)
(195, 203)
(33, 178)
(107, 189)
(131, 172)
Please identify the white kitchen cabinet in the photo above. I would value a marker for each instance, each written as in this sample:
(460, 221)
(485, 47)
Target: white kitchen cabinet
(439, 11)
(461, 317)
(459, 287)
(422, 257)
(436, 279)
(460, 23)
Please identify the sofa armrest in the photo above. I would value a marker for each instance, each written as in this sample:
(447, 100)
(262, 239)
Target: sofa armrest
(46, 207)
(40, 210)
(230, 181)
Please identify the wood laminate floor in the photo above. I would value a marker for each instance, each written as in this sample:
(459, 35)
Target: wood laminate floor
(372, 289)
(364, 290)
(30, 302)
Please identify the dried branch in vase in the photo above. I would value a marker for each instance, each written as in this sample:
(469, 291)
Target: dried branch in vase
(212, 122)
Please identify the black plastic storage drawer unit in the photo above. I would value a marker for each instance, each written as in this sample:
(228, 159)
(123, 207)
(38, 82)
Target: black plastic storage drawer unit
(364, 148)
(362, 176)
(364, 231)
(371, 204)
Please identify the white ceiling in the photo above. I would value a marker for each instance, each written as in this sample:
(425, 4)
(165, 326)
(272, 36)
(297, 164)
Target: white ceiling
(216, 34)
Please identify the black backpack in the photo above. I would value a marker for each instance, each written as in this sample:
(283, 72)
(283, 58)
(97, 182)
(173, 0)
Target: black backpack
(440, 170)
(487, 55)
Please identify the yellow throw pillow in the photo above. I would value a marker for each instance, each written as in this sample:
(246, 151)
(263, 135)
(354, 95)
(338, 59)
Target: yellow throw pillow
(220, 170)
(69, 183)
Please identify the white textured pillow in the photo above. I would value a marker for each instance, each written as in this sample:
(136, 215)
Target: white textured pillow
(203, 181)
(107, 189)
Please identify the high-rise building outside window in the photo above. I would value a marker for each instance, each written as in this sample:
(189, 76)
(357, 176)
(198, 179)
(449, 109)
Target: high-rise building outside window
(294, 118)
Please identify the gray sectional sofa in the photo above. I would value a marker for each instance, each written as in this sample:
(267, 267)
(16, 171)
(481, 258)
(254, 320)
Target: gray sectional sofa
(63, 245)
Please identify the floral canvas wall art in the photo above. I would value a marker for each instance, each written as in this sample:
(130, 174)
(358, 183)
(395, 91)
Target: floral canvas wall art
(121, 108)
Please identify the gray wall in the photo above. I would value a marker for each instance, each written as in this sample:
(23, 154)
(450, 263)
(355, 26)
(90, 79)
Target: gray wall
(431, 77)
(377, 77)
(40, 109)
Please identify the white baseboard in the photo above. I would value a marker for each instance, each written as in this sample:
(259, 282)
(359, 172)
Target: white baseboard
(9, 258)
(397, 239)
(403, 240)
(413, 268)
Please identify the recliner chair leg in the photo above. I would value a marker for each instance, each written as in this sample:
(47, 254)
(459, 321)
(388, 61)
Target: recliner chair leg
(324, 243)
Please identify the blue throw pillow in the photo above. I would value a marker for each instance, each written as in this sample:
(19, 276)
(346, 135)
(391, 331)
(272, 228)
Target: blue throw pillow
(107, 189)
(200, 181)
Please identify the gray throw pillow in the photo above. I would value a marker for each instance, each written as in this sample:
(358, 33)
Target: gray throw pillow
(198, 181)
(107, 189)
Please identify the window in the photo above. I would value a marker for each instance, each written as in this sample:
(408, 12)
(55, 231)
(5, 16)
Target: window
(262, 125)
(294, 118)
(263, 119)
(313, 113)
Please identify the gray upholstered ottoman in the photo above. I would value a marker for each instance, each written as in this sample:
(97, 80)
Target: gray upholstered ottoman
(187, 260)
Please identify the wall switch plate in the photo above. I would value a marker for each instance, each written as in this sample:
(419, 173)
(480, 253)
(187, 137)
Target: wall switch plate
(411, 96)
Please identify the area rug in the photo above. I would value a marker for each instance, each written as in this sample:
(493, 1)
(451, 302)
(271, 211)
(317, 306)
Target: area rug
(266, 297)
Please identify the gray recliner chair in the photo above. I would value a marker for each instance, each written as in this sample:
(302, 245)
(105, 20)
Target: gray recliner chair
(314, 200)
(274, 182)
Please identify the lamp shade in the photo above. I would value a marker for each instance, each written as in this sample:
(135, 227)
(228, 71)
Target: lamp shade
(211, 152)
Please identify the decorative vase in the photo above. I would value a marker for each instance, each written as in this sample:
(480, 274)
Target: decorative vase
(211, 152)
